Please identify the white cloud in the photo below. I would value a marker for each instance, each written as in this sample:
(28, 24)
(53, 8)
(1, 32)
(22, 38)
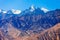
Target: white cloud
(44, 9)
(16, 11)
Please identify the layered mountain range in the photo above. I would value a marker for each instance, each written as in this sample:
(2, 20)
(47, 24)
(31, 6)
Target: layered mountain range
(28, 22)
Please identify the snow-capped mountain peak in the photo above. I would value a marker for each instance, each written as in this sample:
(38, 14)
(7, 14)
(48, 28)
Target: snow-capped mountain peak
(44, 9)
(16, 11)
(32, 8)
(0, 10)
(4, 11)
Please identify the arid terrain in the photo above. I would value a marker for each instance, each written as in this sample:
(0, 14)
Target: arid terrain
(50, 34)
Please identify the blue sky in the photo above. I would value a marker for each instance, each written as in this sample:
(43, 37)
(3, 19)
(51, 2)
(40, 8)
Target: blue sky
(24, 4)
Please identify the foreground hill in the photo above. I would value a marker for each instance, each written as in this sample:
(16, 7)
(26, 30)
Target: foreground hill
(49, 34)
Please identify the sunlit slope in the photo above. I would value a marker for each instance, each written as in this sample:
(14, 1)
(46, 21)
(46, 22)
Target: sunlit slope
(49, 34)
(52, 33)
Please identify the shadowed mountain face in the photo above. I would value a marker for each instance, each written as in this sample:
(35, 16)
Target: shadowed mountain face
(30, 24)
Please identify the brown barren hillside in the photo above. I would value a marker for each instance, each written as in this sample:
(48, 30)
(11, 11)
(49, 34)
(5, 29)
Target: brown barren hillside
(50, 34)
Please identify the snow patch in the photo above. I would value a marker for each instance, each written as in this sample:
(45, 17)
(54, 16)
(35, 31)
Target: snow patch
(16, 11)
(44, 9)
(32, 8)
(0, 10)
(4, 11)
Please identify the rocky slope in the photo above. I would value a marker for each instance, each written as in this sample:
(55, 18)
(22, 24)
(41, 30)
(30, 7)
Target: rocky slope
(49, 34)
(29, 25)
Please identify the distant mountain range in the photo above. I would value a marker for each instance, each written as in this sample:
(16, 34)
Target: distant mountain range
(28, 21)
